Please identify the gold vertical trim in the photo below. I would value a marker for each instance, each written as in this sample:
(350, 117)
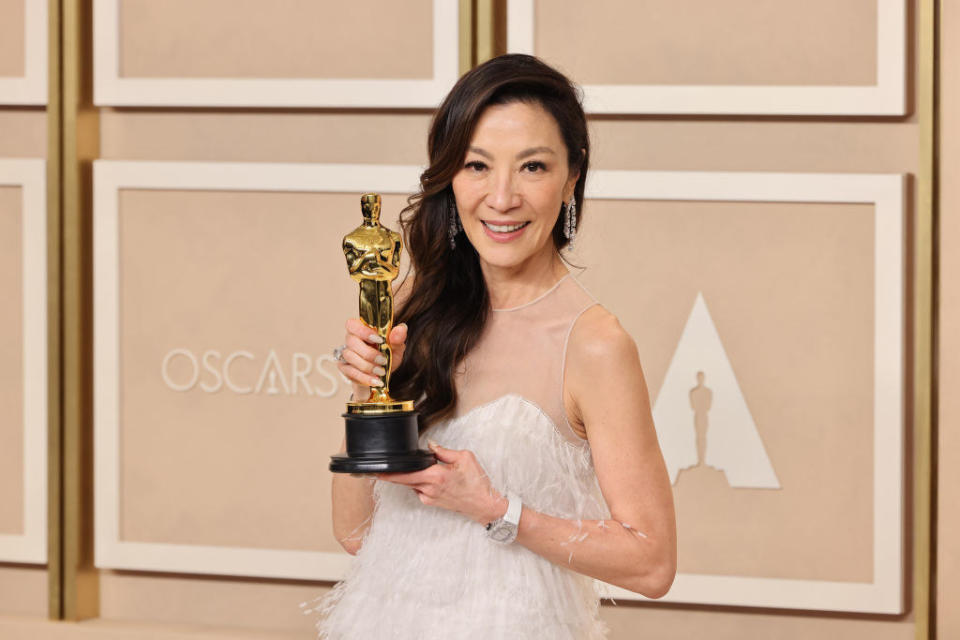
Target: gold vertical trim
(54, 218)
(80, 145)
(924, 311)
(467, 35)
(486, 30)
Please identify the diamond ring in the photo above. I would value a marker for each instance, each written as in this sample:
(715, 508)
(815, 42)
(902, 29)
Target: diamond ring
(338, 353)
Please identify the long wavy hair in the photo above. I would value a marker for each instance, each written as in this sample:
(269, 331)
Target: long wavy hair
(447, 307)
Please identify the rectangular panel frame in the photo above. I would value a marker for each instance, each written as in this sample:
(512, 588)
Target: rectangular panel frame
(885, 192)
(109, 178)
(30, 175)
(887, 97)
(30, 88)
(112, 90)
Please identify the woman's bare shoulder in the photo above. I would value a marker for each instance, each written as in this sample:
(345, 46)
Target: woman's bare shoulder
(601, 357)
(598, 334)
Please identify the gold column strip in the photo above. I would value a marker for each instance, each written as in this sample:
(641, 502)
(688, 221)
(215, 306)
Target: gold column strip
(467, 35)
(54, 218)
(80, 147)
(924, 314)
(486, 30)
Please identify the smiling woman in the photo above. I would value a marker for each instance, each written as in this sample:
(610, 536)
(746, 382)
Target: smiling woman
(531, 396)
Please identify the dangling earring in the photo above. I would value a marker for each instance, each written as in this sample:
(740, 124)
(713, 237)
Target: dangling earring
(454, 227)
(570, 222)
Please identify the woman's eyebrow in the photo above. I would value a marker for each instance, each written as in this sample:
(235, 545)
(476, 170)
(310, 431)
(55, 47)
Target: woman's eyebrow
(481, 152)
(520, 156)
(533, 150)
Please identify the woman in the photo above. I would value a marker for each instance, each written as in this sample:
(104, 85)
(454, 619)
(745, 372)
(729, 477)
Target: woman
(531, 396)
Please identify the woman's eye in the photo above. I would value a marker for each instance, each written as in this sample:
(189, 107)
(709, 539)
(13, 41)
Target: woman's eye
(535, 166)
(475, 165)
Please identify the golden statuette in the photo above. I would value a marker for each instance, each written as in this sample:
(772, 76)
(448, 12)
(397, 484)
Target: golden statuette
(382, 433)
(373, 258)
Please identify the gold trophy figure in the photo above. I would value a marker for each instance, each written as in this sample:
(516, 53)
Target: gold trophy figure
(382, 433)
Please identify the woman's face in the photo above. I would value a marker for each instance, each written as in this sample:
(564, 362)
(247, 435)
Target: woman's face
(513, 181)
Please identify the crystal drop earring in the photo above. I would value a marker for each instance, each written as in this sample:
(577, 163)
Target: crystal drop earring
(570, 222)
(454, 226)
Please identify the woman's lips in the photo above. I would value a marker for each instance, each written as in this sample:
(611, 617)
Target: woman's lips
(503, 236)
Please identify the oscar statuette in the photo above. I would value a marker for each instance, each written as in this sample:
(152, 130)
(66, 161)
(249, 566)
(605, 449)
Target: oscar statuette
(382, 433)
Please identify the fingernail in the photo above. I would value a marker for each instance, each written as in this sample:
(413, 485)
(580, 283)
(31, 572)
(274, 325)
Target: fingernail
(375, 338)
(432, 443)
(376, 382)
(380, 359)
(380, 371)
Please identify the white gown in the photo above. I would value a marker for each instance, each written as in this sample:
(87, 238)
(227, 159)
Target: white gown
(427, 573)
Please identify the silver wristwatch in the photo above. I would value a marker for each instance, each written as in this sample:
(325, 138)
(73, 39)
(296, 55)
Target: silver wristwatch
(504, 529)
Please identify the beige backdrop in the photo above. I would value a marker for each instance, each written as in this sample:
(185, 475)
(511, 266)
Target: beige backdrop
(776, 144)
(12, 40)
(789, 287)
(23, 133)
(23, 589)
(705, 42)
(11, 361)
(842, 146)
(227, 272)
(294, 39)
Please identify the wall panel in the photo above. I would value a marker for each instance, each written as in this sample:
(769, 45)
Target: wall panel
(23, 52)
(297, 39)
(23, 388)
(217, 53)
(214, 285)
(12, 38)
(23, 125)
(23, 133)
(11, 362)
(731, 57)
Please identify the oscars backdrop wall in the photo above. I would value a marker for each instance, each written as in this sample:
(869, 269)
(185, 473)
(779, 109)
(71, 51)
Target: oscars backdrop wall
(245, 53)
(735, 57)
(768, 311)
(221, 291)
(23, 361)
(23, 52)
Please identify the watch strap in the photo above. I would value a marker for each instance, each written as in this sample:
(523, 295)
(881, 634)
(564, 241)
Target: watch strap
(514, 509)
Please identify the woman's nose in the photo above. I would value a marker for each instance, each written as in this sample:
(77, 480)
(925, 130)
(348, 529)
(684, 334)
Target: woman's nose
(503, 195)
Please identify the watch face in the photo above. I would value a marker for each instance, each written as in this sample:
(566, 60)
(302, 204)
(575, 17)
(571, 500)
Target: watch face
(503, 532)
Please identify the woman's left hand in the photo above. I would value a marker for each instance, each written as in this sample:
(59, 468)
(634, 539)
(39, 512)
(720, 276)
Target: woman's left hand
(457, 482)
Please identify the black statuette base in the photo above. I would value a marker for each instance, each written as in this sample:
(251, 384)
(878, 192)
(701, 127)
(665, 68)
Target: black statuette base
(382, 443)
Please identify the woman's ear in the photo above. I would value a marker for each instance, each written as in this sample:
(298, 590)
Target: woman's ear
(574, 176)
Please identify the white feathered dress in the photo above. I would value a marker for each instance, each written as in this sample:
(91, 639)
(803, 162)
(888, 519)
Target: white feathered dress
(426, 573)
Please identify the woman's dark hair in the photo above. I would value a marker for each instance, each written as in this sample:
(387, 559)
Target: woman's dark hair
(447, 307)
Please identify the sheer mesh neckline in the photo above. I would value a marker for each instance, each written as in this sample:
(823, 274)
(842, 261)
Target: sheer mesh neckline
(538, 298)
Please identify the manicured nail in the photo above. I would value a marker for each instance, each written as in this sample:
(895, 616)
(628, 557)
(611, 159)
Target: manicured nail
(376, 382)
(375, 338)
(380, 359)
(380, 371)
(431, 443)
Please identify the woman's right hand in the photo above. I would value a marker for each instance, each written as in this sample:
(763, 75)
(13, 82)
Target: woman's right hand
(364, 364)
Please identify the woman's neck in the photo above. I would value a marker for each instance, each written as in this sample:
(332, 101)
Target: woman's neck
(512, 287)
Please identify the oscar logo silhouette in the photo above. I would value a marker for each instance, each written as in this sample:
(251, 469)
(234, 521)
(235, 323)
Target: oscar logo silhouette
(382, 433)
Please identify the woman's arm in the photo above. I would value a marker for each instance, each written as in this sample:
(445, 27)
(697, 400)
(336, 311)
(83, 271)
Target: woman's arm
(636, 548)
(352, 508)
